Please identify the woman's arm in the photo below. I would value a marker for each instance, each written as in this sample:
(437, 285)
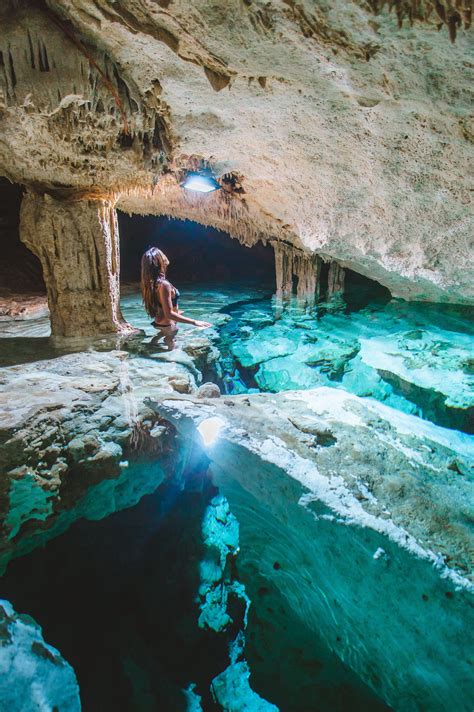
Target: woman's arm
(169, 311)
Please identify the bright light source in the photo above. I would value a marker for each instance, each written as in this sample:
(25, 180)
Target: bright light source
(200, 182)
(209, 430)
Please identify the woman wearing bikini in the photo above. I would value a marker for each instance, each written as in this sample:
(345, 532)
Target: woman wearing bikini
(161, 298)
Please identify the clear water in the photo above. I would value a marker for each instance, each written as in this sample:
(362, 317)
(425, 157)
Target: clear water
(415, 357)
(122, 602)
(118, 598)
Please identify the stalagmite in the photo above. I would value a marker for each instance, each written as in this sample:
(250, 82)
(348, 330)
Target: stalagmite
(77, 244)
(336, 279)
(293, 265)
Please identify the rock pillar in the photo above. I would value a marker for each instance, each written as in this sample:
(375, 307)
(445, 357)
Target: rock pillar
(77, 244)
(296, 272)
(336, 277)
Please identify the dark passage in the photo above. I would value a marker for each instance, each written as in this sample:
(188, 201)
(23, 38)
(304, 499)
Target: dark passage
(196, 253)
(20, 269)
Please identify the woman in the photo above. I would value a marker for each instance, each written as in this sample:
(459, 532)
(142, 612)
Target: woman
(161, 298)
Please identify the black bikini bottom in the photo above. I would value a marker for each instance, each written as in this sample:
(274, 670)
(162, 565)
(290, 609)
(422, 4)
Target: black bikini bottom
(162, 326)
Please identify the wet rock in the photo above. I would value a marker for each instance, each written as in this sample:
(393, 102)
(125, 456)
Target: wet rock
(180, 384)
(311, 426)
(33, 674)
(268, 343)
(66, 426)
(204, 355)
(287, 373)
(208, 390)
(22, 307)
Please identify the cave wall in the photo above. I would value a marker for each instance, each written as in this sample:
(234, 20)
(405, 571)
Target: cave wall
(328, 127)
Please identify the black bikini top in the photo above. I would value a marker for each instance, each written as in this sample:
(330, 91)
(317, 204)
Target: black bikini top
(176, 295)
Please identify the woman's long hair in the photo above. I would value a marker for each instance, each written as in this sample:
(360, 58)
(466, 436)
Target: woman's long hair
(154, 264)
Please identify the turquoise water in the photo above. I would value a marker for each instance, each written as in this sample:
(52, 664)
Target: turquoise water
(415, 357)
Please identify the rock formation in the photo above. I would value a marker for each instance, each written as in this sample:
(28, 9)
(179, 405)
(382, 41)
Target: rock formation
(34, 675)
(328, 526)
(327, 127)
(77, 244)
(339, 134)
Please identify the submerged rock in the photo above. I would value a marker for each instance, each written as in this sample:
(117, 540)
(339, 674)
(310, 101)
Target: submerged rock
(374, 352)
(74, 425)
(33, 674)
(366, 535)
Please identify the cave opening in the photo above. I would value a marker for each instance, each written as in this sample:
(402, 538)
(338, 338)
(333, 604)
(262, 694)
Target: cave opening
(20, 269)
(197, 254)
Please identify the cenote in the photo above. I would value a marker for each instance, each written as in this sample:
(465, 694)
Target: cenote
(236, 356)
(178, 573)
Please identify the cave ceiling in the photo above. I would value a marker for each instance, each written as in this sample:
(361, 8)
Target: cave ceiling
(330, 127)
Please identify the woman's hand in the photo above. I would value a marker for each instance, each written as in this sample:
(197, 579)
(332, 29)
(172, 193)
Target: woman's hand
(202, 324)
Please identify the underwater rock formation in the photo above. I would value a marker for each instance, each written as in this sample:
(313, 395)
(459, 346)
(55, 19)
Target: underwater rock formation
(362, 156)
(412, 357)
(33, 674)
(332, 493)
(354, 517)
(71, 429)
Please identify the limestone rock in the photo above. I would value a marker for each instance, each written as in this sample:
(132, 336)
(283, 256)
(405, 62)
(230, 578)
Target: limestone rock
(67, 427)
(202, 351)
(77, 245)
(180, 384)
(331, 132)
(21, 306)
(33, 674)
(209, 390)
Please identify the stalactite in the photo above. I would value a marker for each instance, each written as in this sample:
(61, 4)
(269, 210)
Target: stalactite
(336, 279)
(453, 13)
(292, 265)
(222, 210)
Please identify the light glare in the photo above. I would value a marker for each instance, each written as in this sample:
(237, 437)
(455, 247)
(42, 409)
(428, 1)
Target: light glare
(200, 183)
(209, 430)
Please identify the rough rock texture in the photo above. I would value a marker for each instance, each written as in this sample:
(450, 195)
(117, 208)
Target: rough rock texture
(33, 674)
(341, 525)
(77, 244)
(328, 128)
(70, 429)
(411, 357)
(290, 265)
(20, 306)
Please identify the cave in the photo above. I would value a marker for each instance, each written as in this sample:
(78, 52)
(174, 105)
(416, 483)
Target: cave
(197, 254)
(236, 357)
